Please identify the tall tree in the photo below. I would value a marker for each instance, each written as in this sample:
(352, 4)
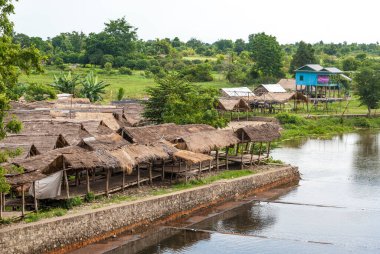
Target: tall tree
(13, 59)
(367, 87)
(92, 88)
(304, 55)
(267, 54)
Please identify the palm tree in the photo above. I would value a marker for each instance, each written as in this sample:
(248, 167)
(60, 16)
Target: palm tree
(66, 83)
(92, 88)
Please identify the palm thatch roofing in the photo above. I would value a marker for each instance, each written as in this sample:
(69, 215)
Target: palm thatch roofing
(133, 114)
(288, 84)
(107, 118)
(206, 141)
(106, 142)
(228, 104)
(26, 115)
(191, 157)
(154, 133)
(259, 133)
(279, 98)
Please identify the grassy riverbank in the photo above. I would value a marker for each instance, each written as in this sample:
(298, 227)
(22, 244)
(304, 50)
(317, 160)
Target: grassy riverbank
(296, 126)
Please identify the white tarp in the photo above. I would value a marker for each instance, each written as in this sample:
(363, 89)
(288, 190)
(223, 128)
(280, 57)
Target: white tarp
(48, 187)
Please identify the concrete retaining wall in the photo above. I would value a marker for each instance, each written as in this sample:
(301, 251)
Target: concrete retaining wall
(68, 232)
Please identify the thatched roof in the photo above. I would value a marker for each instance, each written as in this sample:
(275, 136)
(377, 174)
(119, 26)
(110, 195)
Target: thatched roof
(206, 141)
(228, 104)
(106, 142)
(153, 133)
(25, 115)
(259, 133)
(107, 118)
(288, 84)
(43, 143)
(25, 149)
(192, 157)
(133, 114)
(274, 98)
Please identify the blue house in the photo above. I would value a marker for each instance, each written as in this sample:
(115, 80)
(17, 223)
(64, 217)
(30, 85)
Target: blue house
(315, 78)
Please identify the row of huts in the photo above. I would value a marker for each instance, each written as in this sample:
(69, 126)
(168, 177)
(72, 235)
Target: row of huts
(72, 151)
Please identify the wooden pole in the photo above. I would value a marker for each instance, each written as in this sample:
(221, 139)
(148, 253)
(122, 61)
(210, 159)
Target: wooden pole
(163, 170)
(242, 155)
(150, 173)
(123, 183)
(23, 201)
(35, 197)
(3, 197)
(138, 175)
(261, 145)
(1, 205)
(107, 181)
(217, 160)
(268, 149)
(209, 166)
(227, 150)
(66, 182)
(88, 181)
(252, 151)
(200, 167)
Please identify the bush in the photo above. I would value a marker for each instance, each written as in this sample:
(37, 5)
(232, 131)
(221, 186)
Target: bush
(125, 71)
(120, 93)
(89, 197)
(286, 118)
(70, 203)
(362, 122)
(141, 64)
(39, 92)
(108, 67)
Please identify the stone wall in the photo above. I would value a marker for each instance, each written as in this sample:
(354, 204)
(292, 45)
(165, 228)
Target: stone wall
(72, 231)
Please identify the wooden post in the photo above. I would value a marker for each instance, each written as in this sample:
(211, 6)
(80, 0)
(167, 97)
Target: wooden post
(217, 159)
(261, 145)
(23, 201)
(3, 197)
(76, 178)
(209, 166)
(268, 149)
(252, 152)
(107, 181)
(66, 182)
(163, 170)
(123, 183)
(227, 150)
(88, 181)
(35, 197)
(200, 167)
(1, 205)
(150, 173)
(242, 155)
(138, 175)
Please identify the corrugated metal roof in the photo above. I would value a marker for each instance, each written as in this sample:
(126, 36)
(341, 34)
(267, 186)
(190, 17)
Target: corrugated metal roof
(238, 91)
(274, 88)
(346, 77)
(332, 70)
(314, 67)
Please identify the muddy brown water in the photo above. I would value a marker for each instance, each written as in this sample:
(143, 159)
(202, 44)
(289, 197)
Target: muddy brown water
(335, 208)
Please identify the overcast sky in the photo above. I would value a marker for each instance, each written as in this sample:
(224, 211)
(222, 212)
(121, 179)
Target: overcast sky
(208, 20)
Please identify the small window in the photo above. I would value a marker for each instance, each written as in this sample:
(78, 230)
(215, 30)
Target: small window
(301, 77)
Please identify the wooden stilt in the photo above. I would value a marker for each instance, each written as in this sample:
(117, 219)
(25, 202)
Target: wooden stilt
(200, 167)
(23, 201)
(252, 152)
(268, 149)
(107, 181)
(66, 182)
(1, 205)
(163, 170)
(227, 150)
(217, 159)
(150, 173)
(242, 163)
(35, 197)
(261, 145)
(123, 183)
(209, 166)
(138, 175)
(88, 181)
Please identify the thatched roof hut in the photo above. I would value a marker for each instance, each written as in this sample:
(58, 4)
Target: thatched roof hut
(107, 118)
(191, 157)
(228, 104)
(107, 142)
(206, 141)
(154, 133)
(266, 132)
(280, 98)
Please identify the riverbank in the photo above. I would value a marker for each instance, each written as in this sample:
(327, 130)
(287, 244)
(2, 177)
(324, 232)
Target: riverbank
(73, 231)
(295, 126)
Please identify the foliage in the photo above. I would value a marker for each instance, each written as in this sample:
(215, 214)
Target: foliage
(39, 92)
(66, 83)
(350, 64)
(125, 71)
(120, 93)
(89, 197)
(367, 87)
(285, 118)
(197, 73)
(33, 217)
(175, 100)
(266, 53)
(92, 88)
(72, 202)
(304, 55)
(4, 186)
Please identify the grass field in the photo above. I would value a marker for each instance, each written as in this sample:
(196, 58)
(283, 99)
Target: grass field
(135, 85)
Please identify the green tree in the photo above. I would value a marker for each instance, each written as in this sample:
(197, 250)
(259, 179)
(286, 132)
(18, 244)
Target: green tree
(267, 54)
(175, 100)
(92, 88)
(39, 92)
(120, 93)
(13, 61)
(66, 83)
(367, 87)
(304, 55)
(350, 64)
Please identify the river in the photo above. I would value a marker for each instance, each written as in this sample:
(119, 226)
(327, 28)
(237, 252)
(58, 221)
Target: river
(334, 209)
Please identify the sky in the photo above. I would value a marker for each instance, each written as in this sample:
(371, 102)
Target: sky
(208, 20)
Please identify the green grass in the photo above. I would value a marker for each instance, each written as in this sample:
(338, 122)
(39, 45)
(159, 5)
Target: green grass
(55, 212)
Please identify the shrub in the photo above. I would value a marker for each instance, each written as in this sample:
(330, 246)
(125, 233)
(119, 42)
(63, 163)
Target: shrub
(125, 71)
(39, 92)
(286, 118)
(362, 122)
(108, 67)
(120, 93)
(70, 203)
(89, 197)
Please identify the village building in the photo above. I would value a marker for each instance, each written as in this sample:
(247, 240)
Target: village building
(269, 88)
